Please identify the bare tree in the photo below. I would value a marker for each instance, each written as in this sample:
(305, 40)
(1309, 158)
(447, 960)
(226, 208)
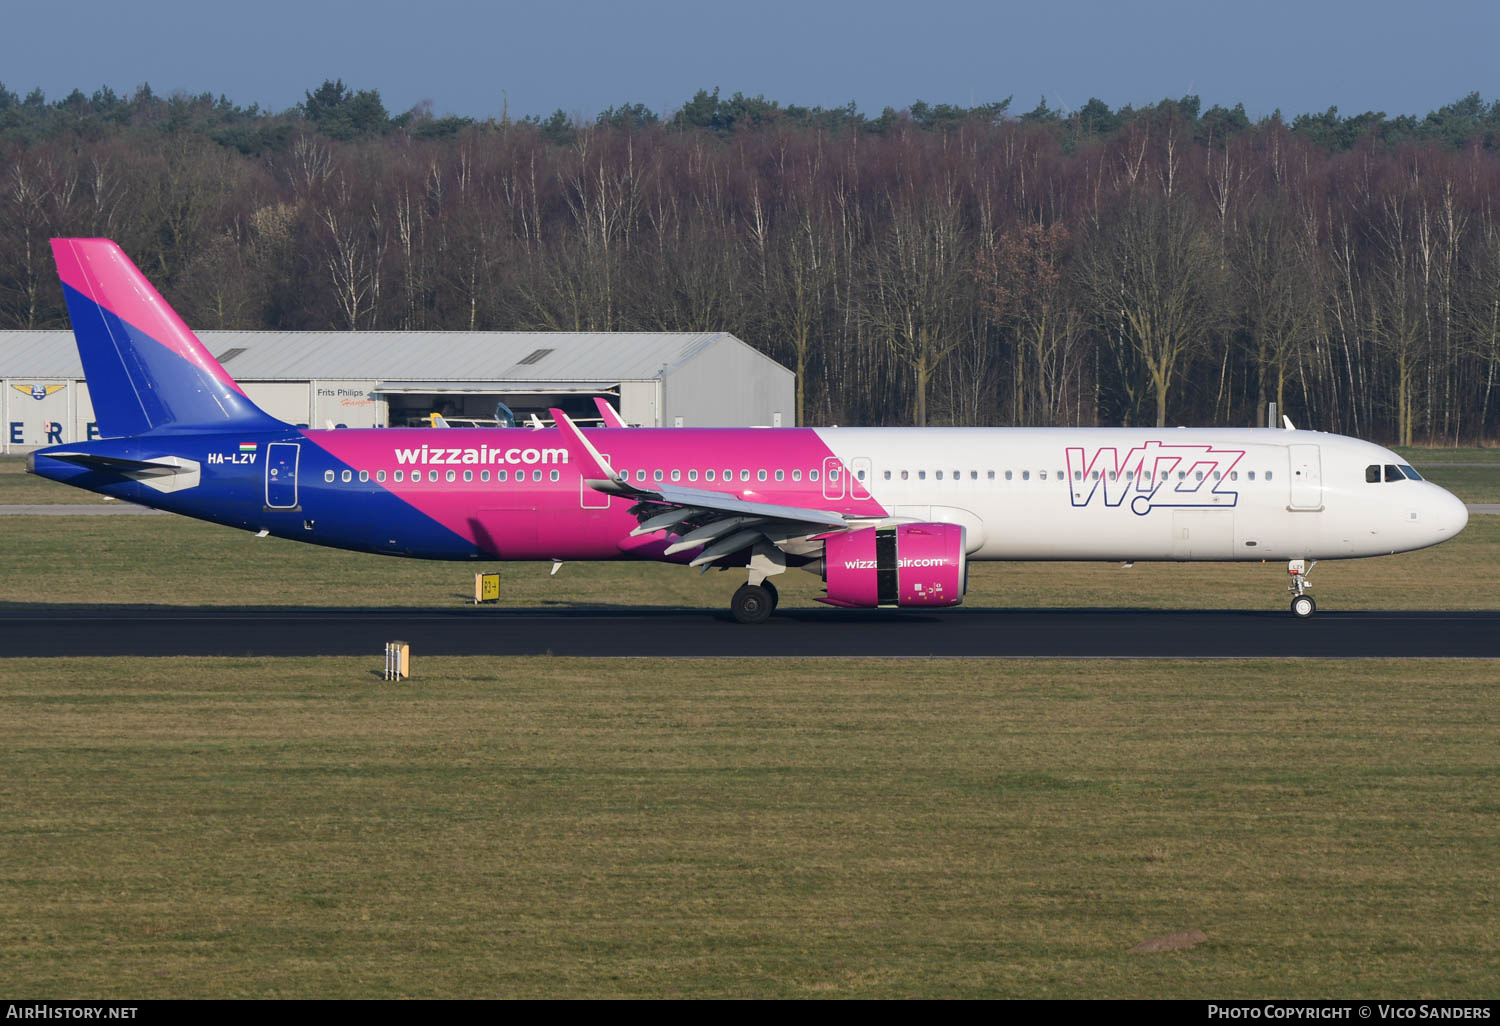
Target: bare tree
(798, 283)
(1023, 288)
(1396, 301)
(1151, 270)
(1277, 312)
(916, 278)
(354, 248)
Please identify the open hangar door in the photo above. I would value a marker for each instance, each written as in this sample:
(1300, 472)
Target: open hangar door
(479, 404)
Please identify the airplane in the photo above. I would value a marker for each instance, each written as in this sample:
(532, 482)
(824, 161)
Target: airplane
(887, 517)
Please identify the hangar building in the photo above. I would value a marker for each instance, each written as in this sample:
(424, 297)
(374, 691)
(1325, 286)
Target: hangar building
(394, 379)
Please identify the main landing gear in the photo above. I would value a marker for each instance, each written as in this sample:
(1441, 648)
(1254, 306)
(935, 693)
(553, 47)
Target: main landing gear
(756, 599)
(1303, 605)
(754, 603)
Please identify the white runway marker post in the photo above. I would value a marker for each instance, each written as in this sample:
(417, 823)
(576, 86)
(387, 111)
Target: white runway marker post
(397, 660)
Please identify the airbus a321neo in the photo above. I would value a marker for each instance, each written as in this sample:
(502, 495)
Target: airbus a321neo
(885, 516)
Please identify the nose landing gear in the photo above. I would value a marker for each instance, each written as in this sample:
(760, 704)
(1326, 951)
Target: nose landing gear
(1303, 605)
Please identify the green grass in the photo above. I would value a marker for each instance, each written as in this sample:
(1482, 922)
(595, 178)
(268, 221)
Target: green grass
(1420, 455)
(18, 488)
(551, 827)
(1471, 484)
(1455, 469)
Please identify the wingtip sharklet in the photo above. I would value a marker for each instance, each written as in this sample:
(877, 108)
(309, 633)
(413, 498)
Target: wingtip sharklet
(597, 471)
(608, 414)
(601, 477)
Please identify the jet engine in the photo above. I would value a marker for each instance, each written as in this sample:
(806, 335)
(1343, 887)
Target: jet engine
(900, 565)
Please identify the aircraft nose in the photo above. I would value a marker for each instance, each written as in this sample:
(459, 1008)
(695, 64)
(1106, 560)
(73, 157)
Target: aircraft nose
(1460, 515)
(1451, 515)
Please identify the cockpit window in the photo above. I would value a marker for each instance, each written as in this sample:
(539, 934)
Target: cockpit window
(1393, 472)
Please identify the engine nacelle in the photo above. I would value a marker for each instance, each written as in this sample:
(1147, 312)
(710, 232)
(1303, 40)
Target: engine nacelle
(900, 565)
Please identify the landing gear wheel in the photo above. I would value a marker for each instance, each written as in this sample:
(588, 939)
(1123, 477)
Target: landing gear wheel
(752, 603)
(1303, 606)
(775, 595)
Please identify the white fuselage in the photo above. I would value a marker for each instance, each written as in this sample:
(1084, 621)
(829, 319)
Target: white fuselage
(1148, 494)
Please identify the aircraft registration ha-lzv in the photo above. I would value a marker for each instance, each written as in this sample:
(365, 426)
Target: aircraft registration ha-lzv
(887, 517)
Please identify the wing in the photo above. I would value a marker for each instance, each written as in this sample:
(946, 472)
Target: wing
(719, 523)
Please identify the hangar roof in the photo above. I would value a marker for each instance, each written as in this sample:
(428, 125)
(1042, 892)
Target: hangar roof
(551, 356)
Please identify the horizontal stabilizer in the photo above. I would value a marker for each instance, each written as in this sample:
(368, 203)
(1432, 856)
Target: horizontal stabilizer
(94, 461)
(166, 474)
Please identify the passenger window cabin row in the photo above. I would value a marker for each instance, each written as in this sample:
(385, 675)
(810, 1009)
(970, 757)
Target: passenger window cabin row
(1372, 475)
(728, 477)
(537, 476)
(1078, 475)
(434, 476)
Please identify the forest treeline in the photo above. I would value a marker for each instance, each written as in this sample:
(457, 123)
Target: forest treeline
(939, 264)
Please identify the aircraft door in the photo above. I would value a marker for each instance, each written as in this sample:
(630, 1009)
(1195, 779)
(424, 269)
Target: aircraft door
(833, 478)
(1305, 477)
(281, 475)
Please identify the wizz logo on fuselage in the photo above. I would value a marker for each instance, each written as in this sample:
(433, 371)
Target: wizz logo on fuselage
(1154, 474)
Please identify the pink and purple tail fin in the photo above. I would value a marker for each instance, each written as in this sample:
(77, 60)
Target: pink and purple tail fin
(145, 368)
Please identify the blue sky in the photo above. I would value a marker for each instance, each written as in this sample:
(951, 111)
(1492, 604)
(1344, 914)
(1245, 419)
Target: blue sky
(470, 58)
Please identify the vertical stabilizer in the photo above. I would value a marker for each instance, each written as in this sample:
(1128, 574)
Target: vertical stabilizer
(146, 369)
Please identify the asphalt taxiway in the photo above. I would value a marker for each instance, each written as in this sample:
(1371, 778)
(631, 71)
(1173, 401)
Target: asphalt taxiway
(500, 631)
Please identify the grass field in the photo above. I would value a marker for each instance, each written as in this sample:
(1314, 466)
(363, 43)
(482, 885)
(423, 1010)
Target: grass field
(18, 488)
(1431, 455)
(1471, 483)
(829, 828)
(550, 827)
